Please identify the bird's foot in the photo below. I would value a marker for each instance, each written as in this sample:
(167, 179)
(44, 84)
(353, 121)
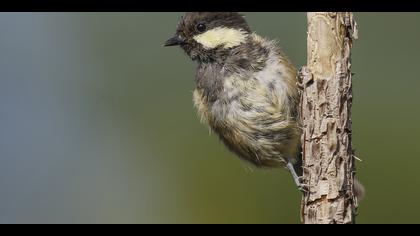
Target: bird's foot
(304, 188)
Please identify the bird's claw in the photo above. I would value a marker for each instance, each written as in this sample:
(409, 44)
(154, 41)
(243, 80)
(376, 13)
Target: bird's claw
(304, 188)
(298, 179)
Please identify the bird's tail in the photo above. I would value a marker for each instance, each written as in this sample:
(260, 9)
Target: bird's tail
(359, 190)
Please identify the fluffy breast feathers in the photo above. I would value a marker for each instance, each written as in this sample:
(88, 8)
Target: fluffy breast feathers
(255, 113)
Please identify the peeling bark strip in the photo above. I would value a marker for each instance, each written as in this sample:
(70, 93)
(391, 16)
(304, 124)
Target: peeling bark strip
(326, 102)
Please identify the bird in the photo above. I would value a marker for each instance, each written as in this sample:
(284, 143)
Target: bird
(246, 88)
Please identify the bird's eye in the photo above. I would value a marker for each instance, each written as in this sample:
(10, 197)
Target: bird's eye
(201, 27)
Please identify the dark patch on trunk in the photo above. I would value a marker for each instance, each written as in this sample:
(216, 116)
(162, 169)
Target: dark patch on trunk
(259, 109)
(210, 79)
(244, 63)
(272, 86)
(235, 97)
(245, 106)
(250, 56)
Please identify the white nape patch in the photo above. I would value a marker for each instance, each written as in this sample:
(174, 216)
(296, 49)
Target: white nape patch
(221, 36)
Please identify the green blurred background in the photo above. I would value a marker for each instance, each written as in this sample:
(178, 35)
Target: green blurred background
(97, 123)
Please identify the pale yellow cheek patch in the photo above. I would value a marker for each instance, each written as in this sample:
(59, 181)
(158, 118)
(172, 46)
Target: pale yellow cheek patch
(227, 37)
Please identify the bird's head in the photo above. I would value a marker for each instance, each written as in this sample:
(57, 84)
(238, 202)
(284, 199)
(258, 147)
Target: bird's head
(206, 36)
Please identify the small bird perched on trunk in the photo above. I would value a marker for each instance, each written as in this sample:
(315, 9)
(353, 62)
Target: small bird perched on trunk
(246, 88)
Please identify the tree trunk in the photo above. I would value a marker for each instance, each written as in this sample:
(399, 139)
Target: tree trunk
(328, 161)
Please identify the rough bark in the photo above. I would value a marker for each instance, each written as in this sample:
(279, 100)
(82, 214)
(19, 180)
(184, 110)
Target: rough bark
(326, 100)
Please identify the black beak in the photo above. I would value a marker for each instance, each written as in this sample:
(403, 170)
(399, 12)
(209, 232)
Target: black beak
(176, 40)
